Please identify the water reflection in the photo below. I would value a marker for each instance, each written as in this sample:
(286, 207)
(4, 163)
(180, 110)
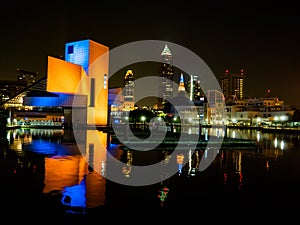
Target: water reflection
(67, 171)
(75, 171)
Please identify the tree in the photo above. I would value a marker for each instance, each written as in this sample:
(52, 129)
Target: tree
(296, 116)
(135, 115)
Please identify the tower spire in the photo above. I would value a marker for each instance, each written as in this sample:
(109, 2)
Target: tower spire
(181, 83)
(166, 51)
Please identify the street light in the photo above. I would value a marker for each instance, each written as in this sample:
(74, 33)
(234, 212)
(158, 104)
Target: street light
(143, 119)
(283, 119)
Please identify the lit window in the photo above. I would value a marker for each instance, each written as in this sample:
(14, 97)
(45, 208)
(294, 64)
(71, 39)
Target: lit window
(105, 81)
(70, 49)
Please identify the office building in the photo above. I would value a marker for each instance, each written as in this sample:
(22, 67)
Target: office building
(128, 91)
(167, 73)
(194, 88)
(232, 85)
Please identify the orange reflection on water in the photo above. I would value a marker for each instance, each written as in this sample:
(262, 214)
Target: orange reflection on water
(71, 170)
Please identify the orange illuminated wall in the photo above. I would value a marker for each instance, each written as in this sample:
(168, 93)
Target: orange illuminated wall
(96, 51)
(63, 76)
(98, 70)
(85, 72)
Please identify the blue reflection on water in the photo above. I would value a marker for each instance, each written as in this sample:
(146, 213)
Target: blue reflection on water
(74, 196)
(44, 147)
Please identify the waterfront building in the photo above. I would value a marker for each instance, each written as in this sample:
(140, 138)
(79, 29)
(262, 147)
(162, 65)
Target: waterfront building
(215, 107)
(84, 72)
(232, 85)
(10, 88)
(258, 111)
(76, 86)
(235, 107)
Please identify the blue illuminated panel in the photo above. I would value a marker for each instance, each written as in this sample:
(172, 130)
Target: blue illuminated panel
(78, 53)
(40, 101)
(67, 100)
(62, 99)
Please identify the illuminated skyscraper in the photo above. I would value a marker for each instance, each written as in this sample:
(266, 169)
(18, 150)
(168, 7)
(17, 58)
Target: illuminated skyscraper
(166, 86)
(194, 88)
(232, 85)
(128, 91)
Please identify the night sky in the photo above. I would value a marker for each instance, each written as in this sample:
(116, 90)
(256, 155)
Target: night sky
(261, 38)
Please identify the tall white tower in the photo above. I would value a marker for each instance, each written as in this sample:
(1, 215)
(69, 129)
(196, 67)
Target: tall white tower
(166, 86)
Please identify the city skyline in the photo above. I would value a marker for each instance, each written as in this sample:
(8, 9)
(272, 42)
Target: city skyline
(259, 38)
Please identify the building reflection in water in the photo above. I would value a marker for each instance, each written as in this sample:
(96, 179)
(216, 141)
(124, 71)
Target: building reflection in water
(76, 170)
(179, 161)
(126, 168)
(68, 170)
(90, 168)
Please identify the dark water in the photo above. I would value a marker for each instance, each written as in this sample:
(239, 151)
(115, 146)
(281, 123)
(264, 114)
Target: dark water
(49, 173)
